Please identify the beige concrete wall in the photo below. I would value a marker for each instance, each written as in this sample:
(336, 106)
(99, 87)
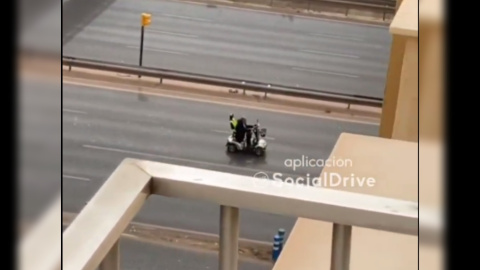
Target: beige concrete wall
(394, 165)
(391, 86)
(406, 116)
(400, 110)
(431, 82)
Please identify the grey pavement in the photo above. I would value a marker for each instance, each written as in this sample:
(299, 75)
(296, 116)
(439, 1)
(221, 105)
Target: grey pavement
(137, 255)
(271, 48)
(101, 128)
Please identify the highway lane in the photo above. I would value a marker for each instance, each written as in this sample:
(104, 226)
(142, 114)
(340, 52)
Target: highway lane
(241, 44)
(101, 128)
(141, 255)
(137, 255)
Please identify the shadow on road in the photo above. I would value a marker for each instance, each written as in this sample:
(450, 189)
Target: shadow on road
(77, 14)
(245, 159)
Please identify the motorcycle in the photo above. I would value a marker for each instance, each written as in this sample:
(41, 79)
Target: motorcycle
(257, 144)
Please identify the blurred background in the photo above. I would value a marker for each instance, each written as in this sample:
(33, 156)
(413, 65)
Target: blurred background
(39, 115)
(38, 121)
(431, 125)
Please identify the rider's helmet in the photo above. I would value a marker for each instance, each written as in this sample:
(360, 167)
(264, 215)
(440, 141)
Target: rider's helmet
(244, 120)
(231, 116)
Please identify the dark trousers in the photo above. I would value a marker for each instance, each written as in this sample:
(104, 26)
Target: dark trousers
(239, 136)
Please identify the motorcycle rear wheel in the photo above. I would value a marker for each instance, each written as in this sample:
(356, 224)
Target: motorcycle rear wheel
(259, 151)
(231, 148)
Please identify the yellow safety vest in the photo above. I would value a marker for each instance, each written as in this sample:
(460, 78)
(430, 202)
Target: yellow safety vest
(234, 122)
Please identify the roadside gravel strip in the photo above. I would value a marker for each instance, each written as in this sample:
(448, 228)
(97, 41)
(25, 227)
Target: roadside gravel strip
(248, 249)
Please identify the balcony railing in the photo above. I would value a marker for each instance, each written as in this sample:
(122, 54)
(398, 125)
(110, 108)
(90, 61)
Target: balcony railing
(92, 239)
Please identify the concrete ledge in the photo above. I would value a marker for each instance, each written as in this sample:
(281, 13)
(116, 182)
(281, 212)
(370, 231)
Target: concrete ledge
(405, 22)
(334, 206)
(101, 222)
(394, 165)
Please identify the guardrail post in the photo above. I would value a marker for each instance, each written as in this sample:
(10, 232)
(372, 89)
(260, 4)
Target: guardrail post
(341, 243)
(112, 260)
(229, 233)
(265, 97)
(141, 48)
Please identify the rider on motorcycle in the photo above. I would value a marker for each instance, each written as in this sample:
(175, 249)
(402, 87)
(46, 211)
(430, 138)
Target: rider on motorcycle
(241, 129)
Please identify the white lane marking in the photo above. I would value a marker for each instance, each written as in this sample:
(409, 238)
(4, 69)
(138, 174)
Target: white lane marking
(331, 54)
(171, 33)
(338, 37)
(228, 132)
(185, 18)
(254, 171)
(76, 178)
(157, 50)
(325, 72)
(73, 111)
(223, 103)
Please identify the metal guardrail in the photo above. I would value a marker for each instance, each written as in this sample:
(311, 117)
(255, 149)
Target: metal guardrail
(381, 5)
(223, 82)
(385, 6)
